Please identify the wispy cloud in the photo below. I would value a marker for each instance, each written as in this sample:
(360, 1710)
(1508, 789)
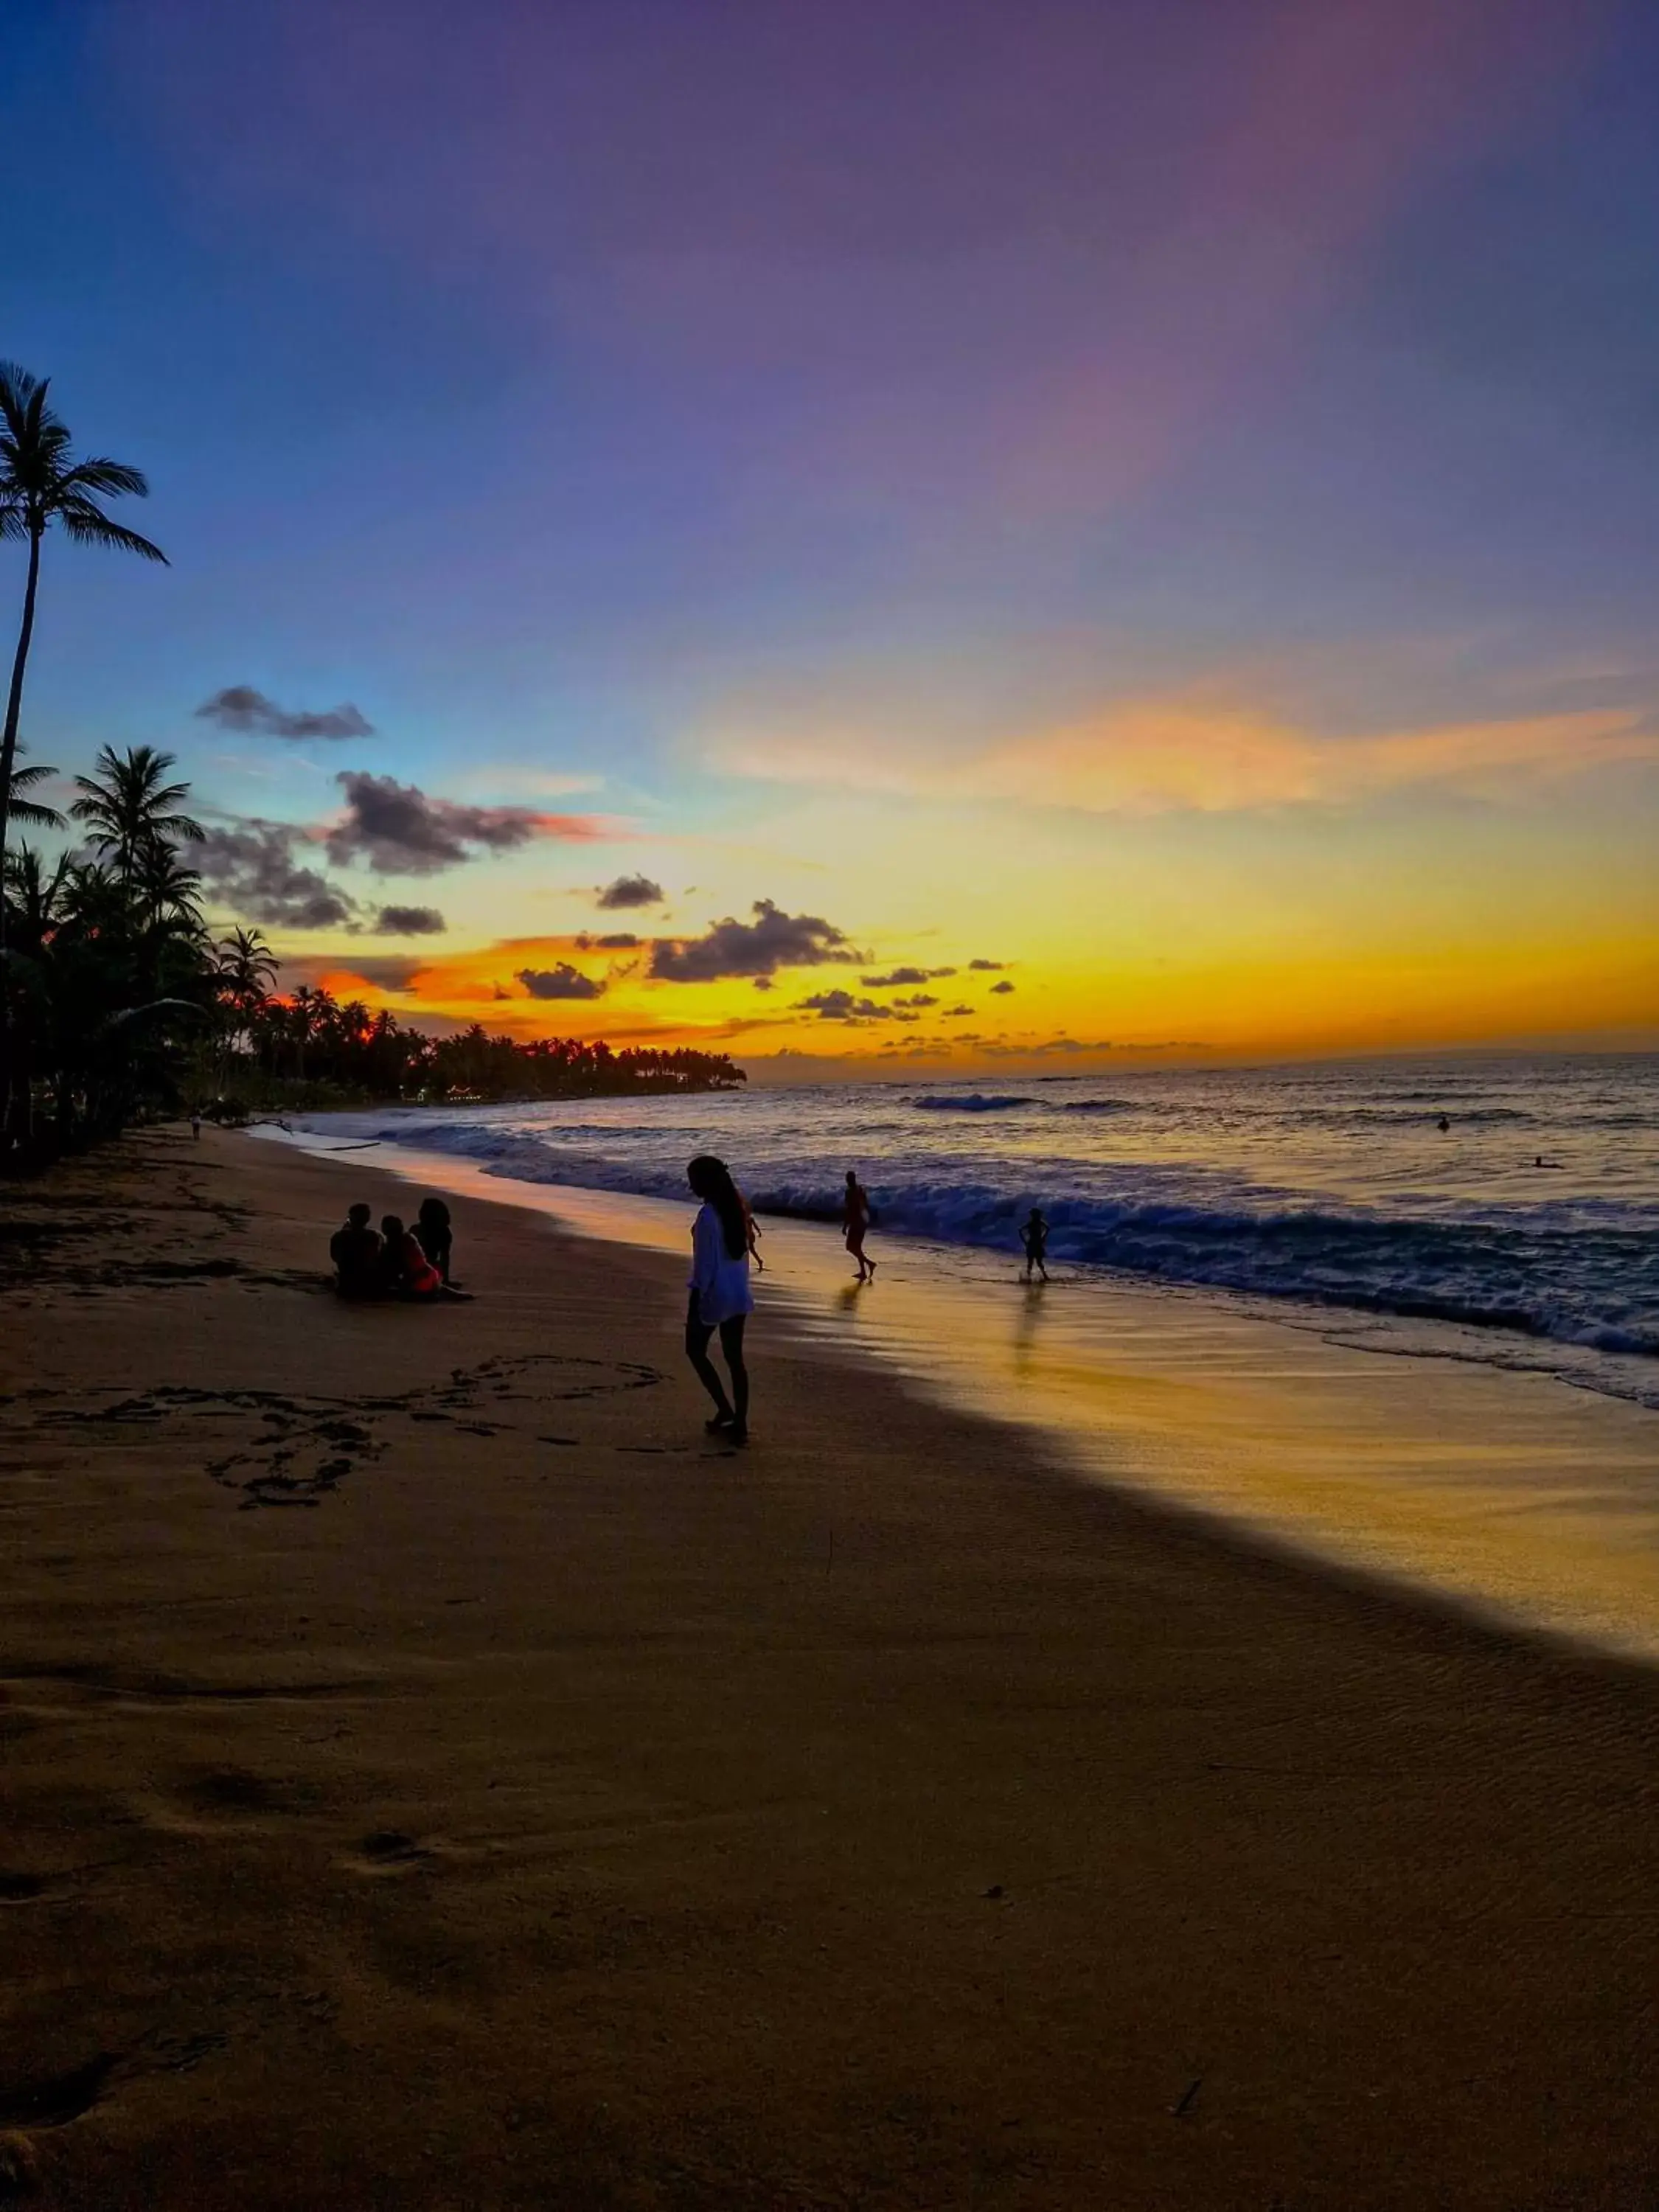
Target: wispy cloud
(1170, 756)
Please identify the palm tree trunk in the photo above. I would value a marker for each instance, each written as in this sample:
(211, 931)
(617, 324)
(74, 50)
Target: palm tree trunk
(8, 756)
(14, 701)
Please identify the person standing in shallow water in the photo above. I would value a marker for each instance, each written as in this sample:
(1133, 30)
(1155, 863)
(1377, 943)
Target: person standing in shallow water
(1035, 1238)
(719, 1294)
(855, 1220)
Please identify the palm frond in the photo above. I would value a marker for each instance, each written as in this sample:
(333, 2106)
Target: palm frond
(87, 525)
(111, 478)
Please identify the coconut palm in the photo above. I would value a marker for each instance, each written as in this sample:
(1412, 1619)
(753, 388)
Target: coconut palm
(30, 811)
(43, 486)
(246, 967)
(131, 810)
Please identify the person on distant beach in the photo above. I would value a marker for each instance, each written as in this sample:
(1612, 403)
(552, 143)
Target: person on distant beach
(432, 1226)
(1035, 1238)
(1443, 1125)
(751, 1232)
(855, 1221)
(719, 1294)
(356, 1251)
(195, 1123)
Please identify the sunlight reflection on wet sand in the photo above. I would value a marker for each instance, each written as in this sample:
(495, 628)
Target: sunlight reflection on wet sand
(1507, 1491)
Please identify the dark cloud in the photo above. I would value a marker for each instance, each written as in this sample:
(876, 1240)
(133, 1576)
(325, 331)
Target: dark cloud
(986, 967)
(410, 921)
(391, 971)
(763, 984)
(239, 707)
(917, 998)
(842, 1006)
(251, 869)
(998, 989)
(900, 975)
(621, 940)
(399, 831)
(564, 982)
(953, 1013)
(630, 890)
(772, 940)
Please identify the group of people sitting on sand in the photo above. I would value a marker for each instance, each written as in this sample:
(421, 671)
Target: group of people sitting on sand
(394, 1262)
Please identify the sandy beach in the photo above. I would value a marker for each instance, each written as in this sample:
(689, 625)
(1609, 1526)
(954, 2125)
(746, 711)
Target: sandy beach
(434, 1775)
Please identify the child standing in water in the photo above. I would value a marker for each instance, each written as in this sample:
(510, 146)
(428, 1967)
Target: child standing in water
(854, 1220)
(719, 1294)
(1035, 1238)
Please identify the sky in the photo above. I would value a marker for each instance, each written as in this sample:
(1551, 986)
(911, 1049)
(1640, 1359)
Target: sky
(874, 533)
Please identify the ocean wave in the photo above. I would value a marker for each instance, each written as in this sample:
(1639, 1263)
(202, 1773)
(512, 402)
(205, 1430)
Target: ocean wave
(1095, 1106)
(1584, 1274)
(970, 1102)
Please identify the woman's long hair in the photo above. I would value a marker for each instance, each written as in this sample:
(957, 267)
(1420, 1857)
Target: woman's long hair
(712, 1179)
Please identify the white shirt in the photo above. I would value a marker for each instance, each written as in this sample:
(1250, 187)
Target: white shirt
(721, 1282)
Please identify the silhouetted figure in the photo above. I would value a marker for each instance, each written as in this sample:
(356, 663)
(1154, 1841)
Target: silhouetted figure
(751, 1232)
(195, 1124)
(356, 1251)
(437, 1239)
(1541, 1162)
(855, 1221)
(719, 1294)
(1035, 1238)
(1443, 1125)
(405, 1271)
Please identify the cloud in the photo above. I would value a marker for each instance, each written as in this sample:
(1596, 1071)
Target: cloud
(763, 984)
(251, 869)
(842, 1006)
(917, 998)
(999, 989)
(239, 707)
(899, 976)
(773, 939)
(562, 982)
(410, 921)
(621, 941)
(954, 1014)
(986, 967)
(399, 831)
(1210, 754)
(627, 892)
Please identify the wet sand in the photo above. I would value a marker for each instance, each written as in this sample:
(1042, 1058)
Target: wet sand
(432, 1773)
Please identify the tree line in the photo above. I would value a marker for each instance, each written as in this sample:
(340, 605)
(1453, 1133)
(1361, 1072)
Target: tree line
(120, 1000)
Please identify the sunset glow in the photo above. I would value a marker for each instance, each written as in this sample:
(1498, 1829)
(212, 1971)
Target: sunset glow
(1152, 502)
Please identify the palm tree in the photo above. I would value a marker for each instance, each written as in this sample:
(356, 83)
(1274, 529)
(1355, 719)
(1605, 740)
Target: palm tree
(30, 811)
(131, 810)
(40, 485)
(246, 968)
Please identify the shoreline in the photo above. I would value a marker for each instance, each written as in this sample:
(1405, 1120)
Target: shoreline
(549, 1805)
(1505, 1493)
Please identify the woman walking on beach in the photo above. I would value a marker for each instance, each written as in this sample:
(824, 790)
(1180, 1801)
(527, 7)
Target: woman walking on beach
(854, 1220)
(721, 1297)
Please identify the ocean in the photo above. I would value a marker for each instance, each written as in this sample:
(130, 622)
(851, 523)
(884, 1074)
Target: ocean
(1329, 1192)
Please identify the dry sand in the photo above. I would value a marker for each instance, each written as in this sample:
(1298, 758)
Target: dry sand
(433, 1774)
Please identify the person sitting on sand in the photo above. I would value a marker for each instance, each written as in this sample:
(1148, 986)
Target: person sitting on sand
(405, 1271)
(437, 1238)
(356, 1251)
(855, 1221)
(719, 1294)
(1035, 1238)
